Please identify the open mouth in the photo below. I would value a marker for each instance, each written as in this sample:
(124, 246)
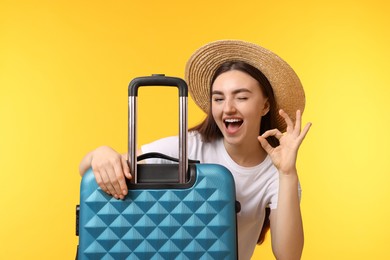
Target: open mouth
(233, 123)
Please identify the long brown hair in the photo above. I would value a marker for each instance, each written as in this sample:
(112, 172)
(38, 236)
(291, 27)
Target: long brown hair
(210, 132)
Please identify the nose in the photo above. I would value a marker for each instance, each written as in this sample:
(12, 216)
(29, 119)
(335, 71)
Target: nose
(229, 107)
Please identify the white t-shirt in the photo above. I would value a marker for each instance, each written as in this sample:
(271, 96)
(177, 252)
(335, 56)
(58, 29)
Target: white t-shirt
(256, 187)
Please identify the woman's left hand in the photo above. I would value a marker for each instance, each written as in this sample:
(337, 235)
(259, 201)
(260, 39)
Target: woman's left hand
(284, 156)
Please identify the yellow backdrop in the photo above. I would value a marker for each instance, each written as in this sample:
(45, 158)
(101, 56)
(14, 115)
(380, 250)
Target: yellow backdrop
(64, 71)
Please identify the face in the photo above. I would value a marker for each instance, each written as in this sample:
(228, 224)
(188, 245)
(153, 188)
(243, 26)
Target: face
(238, 104)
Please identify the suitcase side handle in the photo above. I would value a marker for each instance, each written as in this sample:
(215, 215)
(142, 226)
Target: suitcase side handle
(158, 80)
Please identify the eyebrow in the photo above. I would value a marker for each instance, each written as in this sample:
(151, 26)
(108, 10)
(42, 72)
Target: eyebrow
(236, 91)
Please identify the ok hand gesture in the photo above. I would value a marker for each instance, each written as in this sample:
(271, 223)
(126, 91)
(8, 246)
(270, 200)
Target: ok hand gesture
(284, 156)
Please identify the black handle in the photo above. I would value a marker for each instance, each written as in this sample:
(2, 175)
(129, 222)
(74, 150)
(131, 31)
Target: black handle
(162, 156)
(158, 80)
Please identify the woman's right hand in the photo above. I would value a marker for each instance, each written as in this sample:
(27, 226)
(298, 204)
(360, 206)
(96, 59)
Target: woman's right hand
(110, 169)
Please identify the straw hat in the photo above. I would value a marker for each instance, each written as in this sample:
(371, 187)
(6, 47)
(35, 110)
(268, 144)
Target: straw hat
(288, 90)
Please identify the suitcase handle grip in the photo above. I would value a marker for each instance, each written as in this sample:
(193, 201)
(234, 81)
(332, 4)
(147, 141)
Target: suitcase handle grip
(158, 80)
(153, 155)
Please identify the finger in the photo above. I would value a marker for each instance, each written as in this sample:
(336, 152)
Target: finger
(298, 121)
(305, 131)
(113, 176)
(287, 119)
(120, 176)
(126, 169)
(99, 180)
(264, 143)
(107, 182)
(273, 132)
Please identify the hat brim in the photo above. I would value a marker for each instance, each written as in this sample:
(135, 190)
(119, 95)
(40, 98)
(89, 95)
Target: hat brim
(200, 68)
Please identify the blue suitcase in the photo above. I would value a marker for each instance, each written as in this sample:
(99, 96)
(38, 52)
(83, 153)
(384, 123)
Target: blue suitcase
(181, 210)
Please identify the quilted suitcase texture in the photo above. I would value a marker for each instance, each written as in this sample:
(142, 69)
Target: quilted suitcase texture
(192, 223)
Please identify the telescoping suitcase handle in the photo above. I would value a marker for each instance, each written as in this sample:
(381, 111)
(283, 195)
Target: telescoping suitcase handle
(158, 80)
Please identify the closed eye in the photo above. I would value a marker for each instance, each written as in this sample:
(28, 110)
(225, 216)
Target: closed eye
(218, 99)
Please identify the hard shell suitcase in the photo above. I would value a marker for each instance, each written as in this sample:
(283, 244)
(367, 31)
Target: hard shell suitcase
(184, 210)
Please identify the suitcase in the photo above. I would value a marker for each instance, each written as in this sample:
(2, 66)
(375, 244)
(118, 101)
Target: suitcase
(182, 210)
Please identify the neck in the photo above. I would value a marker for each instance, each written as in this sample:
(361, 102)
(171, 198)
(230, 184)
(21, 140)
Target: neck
(246, 155)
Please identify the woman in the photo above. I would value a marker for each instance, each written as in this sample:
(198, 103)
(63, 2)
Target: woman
(253, 101)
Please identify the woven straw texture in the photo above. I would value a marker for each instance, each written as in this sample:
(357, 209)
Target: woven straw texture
(200, 68)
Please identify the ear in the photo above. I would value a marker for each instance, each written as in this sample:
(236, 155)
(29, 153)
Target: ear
(266, 108)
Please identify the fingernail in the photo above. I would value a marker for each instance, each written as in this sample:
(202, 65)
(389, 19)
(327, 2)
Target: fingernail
(125, 192)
